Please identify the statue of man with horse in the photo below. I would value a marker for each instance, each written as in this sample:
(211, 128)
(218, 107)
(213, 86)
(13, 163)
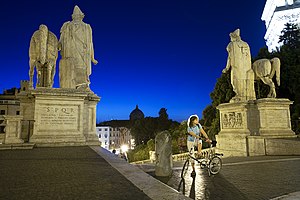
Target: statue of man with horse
(243, 73)
(43, 53)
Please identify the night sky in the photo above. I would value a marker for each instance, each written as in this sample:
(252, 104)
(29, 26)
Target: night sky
(151, 53)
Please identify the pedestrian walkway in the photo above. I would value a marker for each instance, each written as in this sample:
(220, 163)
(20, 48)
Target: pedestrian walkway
(95, 173)
(75, 173)
(262, 177)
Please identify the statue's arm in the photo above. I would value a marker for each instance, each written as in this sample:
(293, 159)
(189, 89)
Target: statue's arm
(92, 47)
(228, 64)
(62, 33)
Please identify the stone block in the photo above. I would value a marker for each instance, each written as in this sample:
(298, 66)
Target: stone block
(163, 151)
(283, 146)
(247, 128)
(60, 116)
(12, 129)
(256, 146)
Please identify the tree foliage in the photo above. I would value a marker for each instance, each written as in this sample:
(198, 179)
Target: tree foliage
(145, 129)
(222, 93)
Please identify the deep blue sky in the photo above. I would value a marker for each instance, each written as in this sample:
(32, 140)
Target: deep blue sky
(154, 53)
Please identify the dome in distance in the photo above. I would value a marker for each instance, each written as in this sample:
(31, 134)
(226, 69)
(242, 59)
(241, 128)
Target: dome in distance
(136, 114)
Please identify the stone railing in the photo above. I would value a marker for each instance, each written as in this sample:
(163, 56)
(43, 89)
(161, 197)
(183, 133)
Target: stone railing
(175, 157)
(184, 156)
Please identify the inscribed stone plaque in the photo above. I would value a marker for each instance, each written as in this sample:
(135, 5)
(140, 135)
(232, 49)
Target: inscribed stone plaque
(58, 117)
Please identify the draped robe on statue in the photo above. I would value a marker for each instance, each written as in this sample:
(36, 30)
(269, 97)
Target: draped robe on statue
(242, 76)
(76, 52)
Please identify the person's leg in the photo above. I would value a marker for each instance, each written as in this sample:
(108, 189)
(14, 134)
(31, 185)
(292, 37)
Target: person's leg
(200, 148)
(190, 146)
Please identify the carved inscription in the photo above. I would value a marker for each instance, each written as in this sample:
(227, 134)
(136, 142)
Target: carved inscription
(232, 120)
(59, 117)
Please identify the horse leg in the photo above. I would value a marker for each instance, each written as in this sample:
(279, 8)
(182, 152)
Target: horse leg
(39, 77)
(269, 82)
(31, 72)
(47, 74)
(53, 67)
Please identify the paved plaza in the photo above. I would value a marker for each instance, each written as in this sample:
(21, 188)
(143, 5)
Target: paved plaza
(94, 173)
(263, 177)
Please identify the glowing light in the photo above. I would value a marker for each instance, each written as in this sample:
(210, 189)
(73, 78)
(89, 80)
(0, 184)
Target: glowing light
(124, 148)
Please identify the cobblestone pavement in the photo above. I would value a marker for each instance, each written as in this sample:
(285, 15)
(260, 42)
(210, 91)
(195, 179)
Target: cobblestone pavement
(61, 173)
(81, 173)
(265, 177)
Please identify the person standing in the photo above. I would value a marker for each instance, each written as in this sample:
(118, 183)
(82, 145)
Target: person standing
(77, 52)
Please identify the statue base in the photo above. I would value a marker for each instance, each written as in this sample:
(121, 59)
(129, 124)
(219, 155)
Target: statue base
(245, 126)
(12, 129)
(59, 116)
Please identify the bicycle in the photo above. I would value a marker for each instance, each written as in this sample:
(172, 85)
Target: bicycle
(211, 160)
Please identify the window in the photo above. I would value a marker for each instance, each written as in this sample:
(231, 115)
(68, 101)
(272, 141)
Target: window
(106, 129)
(105, 135)
(2, 112)
(18, 113)
(99, 135)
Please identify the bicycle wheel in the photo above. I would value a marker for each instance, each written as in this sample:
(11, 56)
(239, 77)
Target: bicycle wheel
(215, 165)
(185, 168)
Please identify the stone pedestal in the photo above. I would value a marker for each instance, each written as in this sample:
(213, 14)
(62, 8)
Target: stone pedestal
(60, 116)
(274, 117)
(12, 129)
(237, 121)
(246, 126)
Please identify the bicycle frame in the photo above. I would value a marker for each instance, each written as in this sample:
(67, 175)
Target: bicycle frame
(210, 160)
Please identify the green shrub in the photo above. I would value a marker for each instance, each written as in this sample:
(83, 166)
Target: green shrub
(141, 152)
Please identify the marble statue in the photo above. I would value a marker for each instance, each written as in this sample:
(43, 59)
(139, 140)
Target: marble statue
(242, 75)
(43, 52)
(77, 52)
(264, 70)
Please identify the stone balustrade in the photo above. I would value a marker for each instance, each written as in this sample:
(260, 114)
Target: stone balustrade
(177, 157)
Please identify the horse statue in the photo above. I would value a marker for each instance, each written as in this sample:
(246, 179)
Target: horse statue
(265, 69)
(43, 53)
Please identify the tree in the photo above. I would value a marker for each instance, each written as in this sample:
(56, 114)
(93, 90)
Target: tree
(163, 114)
(222, 93)
(163, 120)
(290, 76)
(290, 36)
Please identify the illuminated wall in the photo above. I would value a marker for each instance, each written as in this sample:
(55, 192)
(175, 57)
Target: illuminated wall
(276, 14)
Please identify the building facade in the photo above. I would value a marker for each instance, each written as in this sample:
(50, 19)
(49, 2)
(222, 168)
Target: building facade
(114, 138)
(10, 105)
(276, 14)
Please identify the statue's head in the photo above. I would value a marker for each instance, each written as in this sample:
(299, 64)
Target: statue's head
(77, 14)
(235, 35)
(43, 28)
